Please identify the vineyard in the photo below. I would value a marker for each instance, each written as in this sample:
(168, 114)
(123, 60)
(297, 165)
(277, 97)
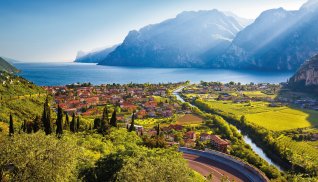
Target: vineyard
(300, 153)
(284, 119)
(272, 118)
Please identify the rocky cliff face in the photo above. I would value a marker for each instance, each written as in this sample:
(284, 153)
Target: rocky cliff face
(188, 40)
(307, 76)
(277, 40)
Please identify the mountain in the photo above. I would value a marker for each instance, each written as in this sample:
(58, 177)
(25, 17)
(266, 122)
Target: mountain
(306, 78)
(277, 40)
(94, 57)
(188, 40)
(10, 60)
(7, 67)
(244, 22)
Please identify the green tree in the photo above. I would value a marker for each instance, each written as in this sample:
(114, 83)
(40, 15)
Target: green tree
(36, 124)
(23, 126)
(36, 157)
(158, 129)
(113, 119)
(73, 124)
(132, 124)
(67, 122)
(97, 123)
(11, 128)
(78, 124)
(46, 117)
(29, 126)
(59, 122)
(104, 122)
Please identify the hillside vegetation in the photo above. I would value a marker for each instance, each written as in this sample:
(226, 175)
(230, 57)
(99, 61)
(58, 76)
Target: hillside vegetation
(19, 97)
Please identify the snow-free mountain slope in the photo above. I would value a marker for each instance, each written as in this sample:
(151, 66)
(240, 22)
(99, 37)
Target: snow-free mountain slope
(188, 40)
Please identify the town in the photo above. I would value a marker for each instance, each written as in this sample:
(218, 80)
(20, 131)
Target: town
(152, 104)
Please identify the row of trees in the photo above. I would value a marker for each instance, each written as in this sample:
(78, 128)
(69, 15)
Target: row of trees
(46, 123)
(103, 124)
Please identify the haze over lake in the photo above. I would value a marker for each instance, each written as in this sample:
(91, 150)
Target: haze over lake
(49, 74)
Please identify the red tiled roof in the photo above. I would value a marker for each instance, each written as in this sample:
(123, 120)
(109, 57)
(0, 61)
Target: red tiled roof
(218, 140)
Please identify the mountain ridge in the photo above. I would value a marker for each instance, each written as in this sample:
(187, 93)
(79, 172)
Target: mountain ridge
(7, 67)
(94, 56)
(184, 41)
(277, 40)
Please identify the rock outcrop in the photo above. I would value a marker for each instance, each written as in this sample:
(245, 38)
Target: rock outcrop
(306, 78)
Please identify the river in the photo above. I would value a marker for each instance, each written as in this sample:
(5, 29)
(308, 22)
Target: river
(246, 138)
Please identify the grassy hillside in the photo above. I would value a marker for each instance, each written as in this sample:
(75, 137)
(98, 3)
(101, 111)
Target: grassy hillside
(20, 97)
(5, 66)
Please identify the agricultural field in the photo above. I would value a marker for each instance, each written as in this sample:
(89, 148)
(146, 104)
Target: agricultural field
(257, 94)
(284, 119)
(161, 99)
(186, 119)
(189, 119)
(303, 153)
(272, 118)
(151, 122)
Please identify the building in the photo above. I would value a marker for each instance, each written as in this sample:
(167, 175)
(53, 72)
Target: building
(205, 137)
(219, 144)
(190, 135)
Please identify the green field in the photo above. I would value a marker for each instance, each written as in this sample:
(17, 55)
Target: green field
(257, 94)
(272, 118)
(303, 153)
(284, 119)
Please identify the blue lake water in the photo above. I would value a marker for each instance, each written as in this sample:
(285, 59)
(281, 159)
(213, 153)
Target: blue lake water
(48, 74)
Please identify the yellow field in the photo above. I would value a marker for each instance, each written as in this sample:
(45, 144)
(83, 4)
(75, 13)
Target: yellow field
(284, 119)
(273, 118)
(160, 99)
(257, 94)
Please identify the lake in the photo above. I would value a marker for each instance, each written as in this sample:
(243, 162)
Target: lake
(54, 74)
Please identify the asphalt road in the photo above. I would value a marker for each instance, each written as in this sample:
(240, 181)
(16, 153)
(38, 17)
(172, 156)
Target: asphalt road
(206, 166)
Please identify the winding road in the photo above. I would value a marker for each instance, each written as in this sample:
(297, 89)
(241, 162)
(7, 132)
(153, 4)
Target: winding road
(206, 166)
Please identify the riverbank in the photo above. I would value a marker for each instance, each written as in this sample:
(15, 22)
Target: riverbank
(246, 138)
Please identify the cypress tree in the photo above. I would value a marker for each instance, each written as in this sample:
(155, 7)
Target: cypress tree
(46, 117)
(132, 124)
(29, 127)
(36, 124)
(23, 127)
(72, 124)
(104, 122)
(113, 119)
(59, 121)
(77, 124)
(11, 129)
(158, 130)
(67, 122)
(97, 123)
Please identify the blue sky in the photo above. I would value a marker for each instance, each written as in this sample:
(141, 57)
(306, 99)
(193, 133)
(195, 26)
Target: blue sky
(54, 30)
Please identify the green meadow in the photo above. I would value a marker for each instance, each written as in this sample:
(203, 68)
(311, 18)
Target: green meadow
(272, 118)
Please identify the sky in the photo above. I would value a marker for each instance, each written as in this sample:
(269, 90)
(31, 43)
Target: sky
(55, 30)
